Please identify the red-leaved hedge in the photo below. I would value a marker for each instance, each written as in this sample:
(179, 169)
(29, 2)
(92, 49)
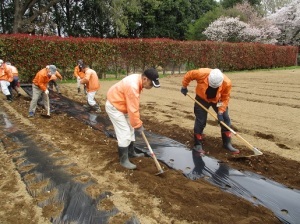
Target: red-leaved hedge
(32, 53)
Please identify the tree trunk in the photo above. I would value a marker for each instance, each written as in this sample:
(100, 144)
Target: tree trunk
(21, 7)
(17, 17)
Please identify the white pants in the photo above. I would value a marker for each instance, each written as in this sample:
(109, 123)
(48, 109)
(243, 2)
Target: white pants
(4, 86)
(124, 131)
(91, 98)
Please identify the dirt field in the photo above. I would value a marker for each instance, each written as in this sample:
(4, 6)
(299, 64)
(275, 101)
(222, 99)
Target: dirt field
(264, 109)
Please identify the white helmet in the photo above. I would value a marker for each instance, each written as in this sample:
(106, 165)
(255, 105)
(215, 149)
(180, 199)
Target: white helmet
(1, 62)
(215, 78)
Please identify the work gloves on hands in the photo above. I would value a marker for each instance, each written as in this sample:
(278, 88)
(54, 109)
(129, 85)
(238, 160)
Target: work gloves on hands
(140, 129)
(47, 91)
(220, 117)
(184, 90)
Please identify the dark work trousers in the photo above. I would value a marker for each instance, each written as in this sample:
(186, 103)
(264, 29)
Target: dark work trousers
(53, 83)
(201, 116)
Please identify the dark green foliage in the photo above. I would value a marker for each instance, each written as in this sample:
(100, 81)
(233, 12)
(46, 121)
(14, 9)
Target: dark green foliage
(195, 30)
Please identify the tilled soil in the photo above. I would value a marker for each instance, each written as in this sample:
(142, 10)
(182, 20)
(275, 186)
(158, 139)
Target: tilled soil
(262, 108)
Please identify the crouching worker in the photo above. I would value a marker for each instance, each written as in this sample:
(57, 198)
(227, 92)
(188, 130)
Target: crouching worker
(14, 84)
(123, 109)
(213, 89)
(6, 77)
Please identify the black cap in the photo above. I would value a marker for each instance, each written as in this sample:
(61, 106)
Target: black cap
(80, 62)
(152, 74)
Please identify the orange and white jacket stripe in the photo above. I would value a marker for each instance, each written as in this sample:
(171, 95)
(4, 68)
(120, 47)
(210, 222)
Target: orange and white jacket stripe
(41, 79)
(125, 97)
(201, 76)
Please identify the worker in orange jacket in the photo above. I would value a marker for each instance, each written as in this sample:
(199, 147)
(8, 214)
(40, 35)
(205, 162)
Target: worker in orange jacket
(53, 82)
(213, 89)
(79, 74)
(6, 77)
(40, 87)
(123, 109)
(91, 81)
(14, 84)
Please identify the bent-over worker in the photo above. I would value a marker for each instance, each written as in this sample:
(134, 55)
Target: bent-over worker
(213, 89)
(123, 109)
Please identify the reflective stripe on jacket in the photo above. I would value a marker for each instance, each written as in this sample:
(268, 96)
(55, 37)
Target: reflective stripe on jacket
(78, 73)
(91, 80)
(41, 79)
(125, 96)
(201, 76)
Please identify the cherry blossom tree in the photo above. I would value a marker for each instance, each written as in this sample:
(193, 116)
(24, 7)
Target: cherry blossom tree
(287, 19)
(233, 30)
(271, 6)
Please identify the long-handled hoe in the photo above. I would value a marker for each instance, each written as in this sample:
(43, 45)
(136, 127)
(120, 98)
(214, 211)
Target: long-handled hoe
(160, 170)
(48, 108)
(255, 150)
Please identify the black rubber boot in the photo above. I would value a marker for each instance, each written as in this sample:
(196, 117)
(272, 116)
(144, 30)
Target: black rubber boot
(9, 98)
(97, 108)
(88, 107)
(198, 143)
(226, 137)
(132, 152)
(124, 161)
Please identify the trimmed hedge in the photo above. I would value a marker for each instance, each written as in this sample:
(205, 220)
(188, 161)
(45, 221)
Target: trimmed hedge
(31, 53)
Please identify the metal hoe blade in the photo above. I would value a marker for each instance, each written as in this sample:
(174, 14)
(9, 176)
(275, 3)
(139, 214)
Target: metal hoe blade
(160, 172)
(46, 116)
(256, 153)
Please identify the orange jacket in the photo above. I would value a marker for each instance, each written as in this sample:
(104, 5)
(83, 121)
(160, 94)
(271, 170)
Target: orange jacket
(78, 73)
(57, 75)
(14, 70)
(41, 79)
(91, 80)
(125, 97)
(5, 73)
(201, 76)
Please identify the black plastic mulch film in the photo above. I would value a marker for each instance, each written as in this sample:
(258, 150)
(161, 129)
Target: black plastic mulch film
(284, 202)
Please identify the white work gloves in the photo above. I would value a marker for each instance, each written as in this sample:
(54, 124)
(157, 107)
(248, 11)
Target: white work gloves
(47, 91)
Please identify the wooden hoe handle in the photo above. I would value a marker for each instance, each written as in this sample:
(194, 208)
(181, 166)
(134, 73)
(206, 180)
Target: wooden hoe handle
(255, 150)
(152, 154)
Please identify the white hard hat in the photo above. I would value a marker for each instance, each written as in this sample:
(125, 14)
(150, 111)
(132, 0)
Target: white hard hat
(1, 62)
(215, 78)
